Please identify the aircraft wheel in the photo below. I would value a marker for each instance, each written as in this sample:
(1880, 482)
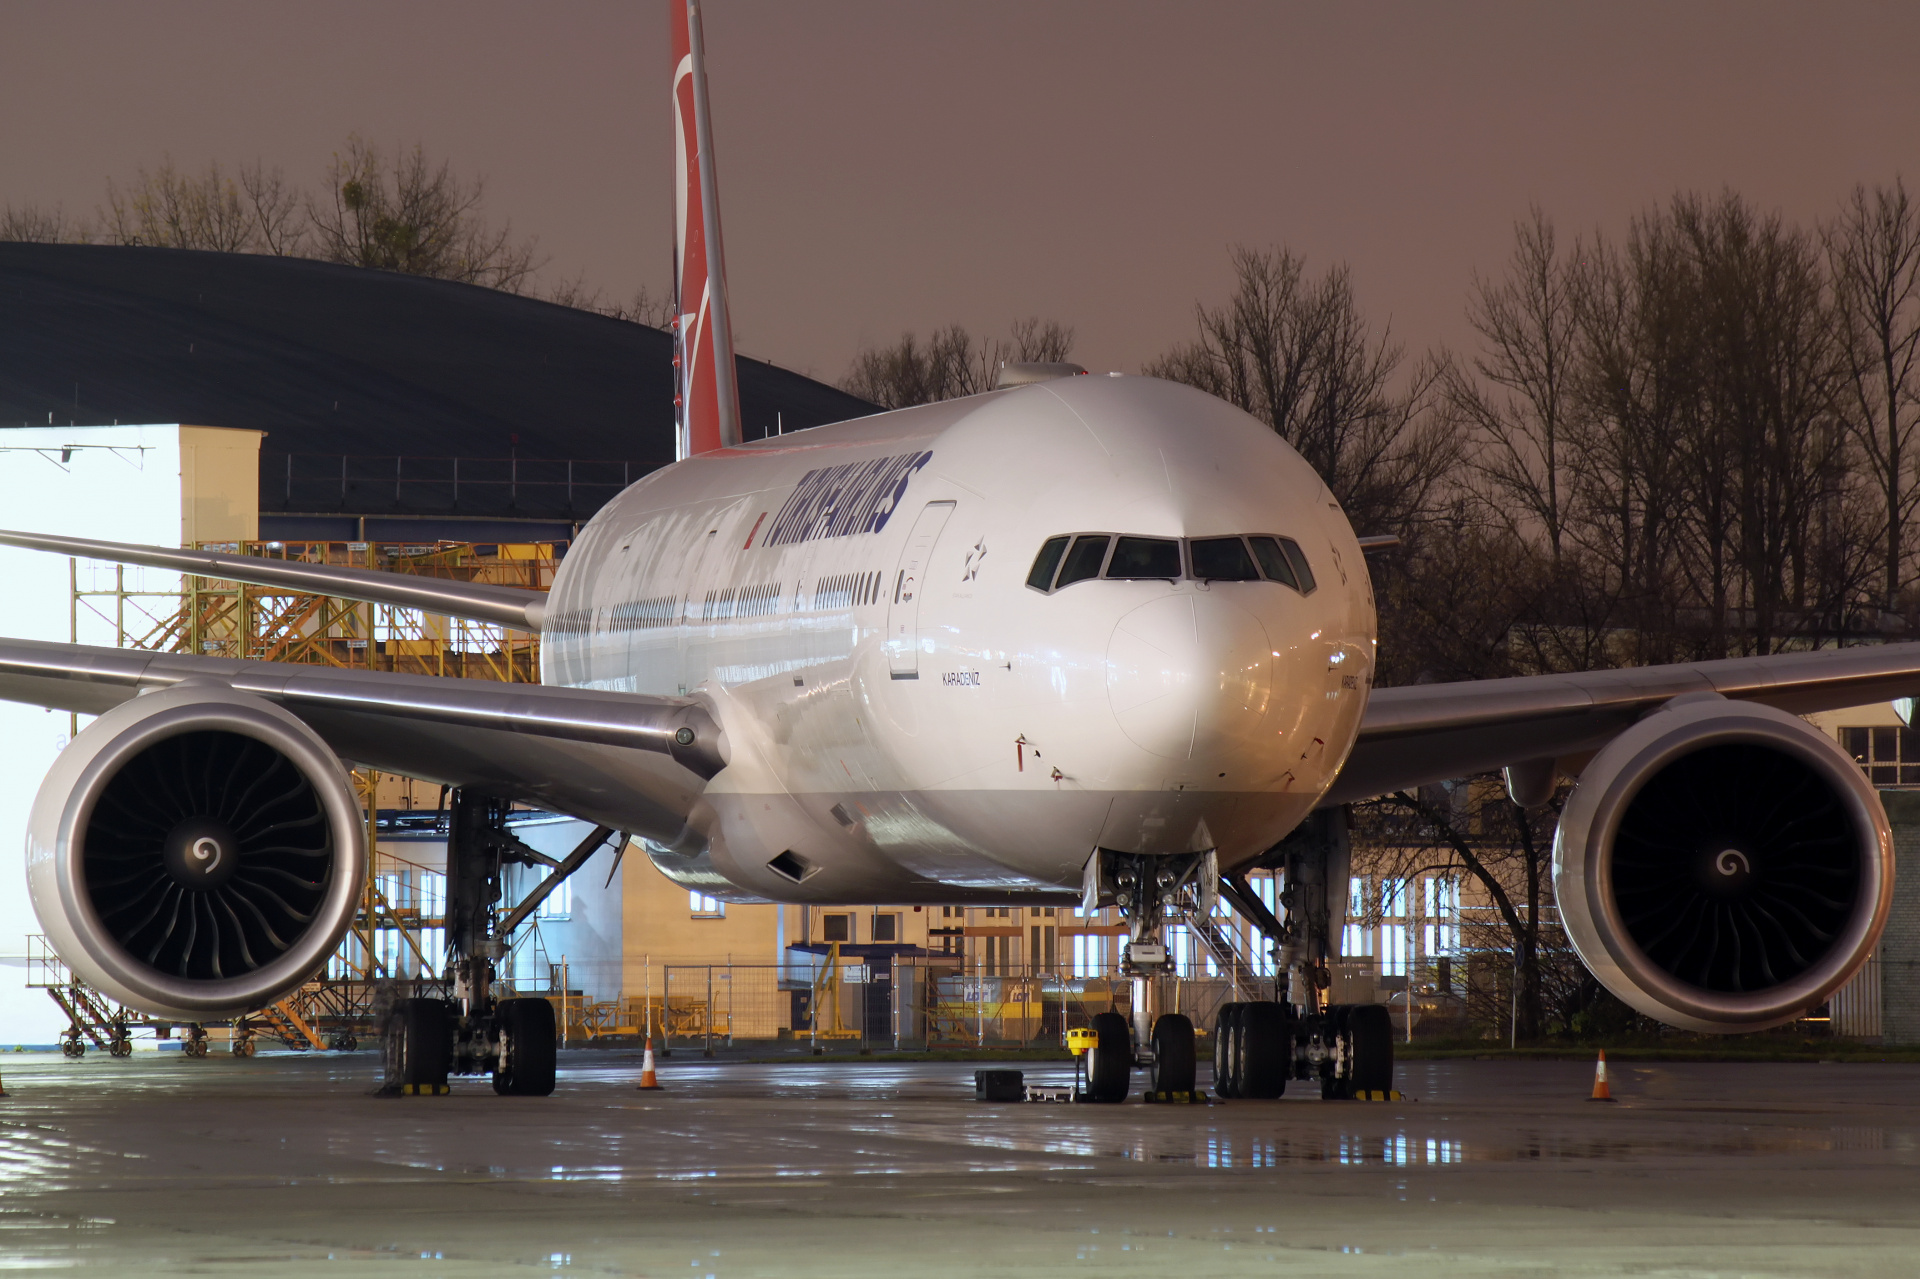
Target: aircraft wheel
(1226, 1049)
(1110, 1061)
(243, 1046)
(1265, 1043)
(1370, 1048)
(1173, 1055)
(121, 1047)
(416, 1045)
(528, 1048)
(72, 1047)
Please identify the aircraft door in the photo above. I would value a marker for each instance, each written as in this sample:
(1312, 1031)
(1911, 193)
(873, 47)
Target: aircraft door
(903, 608)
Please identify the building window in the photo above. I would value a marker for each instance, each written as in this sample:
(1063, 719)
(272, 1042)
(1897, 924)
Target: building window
(557, 904)
(1888, 756)
(705, 907)
(1394, 900)
(1089, 954)
(836, 928)
(1443, 917)
(886, 928)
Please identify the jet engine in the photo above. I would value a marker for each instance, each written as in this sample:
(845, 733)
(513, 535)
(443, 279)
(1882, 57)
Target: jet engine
(1723, 866)
(195, 852)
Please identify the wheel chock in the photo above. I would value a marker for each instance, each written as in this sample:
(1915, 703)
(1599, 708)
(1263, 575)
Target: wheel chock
(415, 1090)
(1194, 1098)
(1390, 1094)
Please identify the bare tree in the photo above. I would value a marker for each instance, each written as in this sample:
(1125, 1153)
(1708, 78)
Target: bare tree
(169, 209)
(1516, 395)
(1873, 256)
(33, 224)
(1297, 354)
(950, 363)
(646, 307)
(411, 215)
(276, 212)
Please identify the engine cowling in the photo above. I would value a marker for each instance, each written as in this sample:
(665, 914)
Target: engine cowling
(1723, 866)
(195, 852)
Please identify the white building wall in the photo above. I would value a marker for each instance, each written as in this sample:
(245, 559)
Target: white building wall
(122, 484)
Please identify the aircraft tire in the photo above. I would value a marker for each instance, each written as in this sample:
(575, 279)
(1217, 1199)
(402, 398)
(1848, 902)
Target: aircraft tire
(1265, 1043)
(1370, 1048)
(528, 1048)
(1110, 1061)
(1226, 1050)
(416, 1045)
(1174, 1065)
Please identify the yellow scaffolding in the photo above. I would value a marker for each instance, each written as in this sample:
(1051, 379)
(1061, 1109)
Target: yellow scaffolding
(220, 618)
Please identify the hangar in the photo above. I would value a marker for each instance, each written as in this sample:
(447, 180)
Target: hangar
(393, 406)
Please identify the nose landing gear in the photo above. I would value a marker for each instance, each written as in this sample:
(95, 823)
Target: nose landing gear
(1261, 1044)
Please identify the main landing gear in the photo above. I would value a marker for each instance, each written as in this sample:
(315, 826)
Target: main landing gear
(1258, 1045)
(424, 1040)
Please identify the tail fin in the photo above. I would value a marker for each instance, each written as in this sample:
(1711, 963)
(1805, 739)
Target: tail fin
(706, 391)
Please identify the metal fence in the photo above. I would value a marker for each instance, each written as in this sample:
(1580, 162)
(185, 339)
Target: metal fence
(908, 1003)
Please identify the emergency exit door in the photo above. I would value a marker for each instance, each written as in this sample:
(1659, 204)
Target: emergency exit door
(909, 580)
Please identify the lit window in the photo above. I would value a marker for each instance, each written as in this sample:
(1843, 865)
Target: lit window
(705, 907)
(559, 902)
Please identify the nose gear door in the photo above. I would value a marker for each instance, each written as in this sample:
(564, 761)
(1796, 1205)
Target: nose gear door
(903, 608)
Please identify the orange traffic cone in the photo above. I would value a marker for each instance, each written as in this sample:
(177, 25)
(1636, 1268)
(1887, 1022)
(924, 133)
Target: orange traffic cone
(1600, 1090)
(649, 1082)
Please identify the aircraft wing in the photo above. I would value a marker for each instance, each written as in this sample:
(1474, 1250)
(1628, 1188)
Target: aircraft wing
(614, 758)
(477, 601)
(1426, 733)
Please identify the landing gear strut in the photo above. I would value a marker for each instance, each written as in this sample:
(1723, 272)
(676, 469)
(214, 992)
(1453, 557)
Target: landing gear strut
(514, 1040)
(1147, 889)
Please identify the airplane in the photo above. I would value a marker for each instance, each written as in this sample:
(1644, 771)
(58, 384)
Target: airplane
(1096, 640)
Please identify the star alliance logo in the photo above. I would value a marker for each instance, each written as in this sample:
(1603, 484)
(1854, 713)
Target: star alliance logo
(974, 556)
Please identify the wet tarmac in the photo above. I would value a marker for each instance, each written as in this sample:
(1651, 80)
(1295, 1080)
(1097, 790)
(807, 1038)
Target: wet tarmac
(283, 1165)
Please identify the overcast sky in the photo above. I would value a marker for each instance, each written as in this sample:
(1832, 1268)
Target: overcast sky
(889, 165)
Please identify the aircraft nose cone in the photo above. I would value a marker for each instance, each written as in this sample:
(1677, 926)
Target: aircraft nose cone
(1187, 672)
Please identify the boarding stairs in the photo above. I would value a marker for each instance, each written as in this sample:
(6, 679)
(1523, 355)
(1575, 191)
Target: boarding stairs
(1222, 943)
(285, 1023)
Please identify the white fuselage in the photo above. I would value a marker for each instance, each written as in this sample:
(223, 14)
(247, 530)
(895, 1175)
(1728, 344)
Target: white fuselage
(907, 720)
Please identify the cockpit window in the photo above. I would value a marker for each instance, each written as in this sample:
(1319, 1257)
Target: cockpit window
(1298, 559)
(1273, 561)
(1145, 557)
(1076, 557)
(1083, 561)
(1041, 577)
(1222, 559)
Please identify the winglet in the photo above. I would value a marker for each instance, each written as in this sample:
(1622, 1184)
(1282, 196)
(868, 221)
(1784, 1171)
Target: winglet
(706, 392)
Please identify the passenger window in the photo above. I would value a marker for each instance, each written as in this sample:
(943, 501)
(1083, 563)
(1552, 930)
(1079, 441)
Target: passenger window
(1273, 561)
(1298, 559)
(1041, 578)
(1223, 559)
(1145, 557)
(1084, 560)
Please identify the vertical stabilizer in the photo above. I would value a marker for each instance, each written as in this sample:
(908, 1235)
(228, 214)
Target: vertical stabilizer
(706, 393)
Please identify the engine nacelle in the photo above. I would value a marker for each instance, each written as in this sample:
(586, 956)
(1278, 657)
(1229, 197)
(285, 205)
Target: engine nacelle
(195, 852)
(1723, 866)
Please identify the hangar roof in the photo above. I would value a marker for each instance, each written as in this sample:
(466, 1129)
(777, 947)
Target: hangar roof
(367, 383)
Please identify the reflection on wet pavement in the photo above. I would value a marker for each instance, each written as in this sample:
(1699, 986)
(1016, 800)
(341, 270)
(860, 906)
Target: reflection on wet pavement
(217, 1166)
